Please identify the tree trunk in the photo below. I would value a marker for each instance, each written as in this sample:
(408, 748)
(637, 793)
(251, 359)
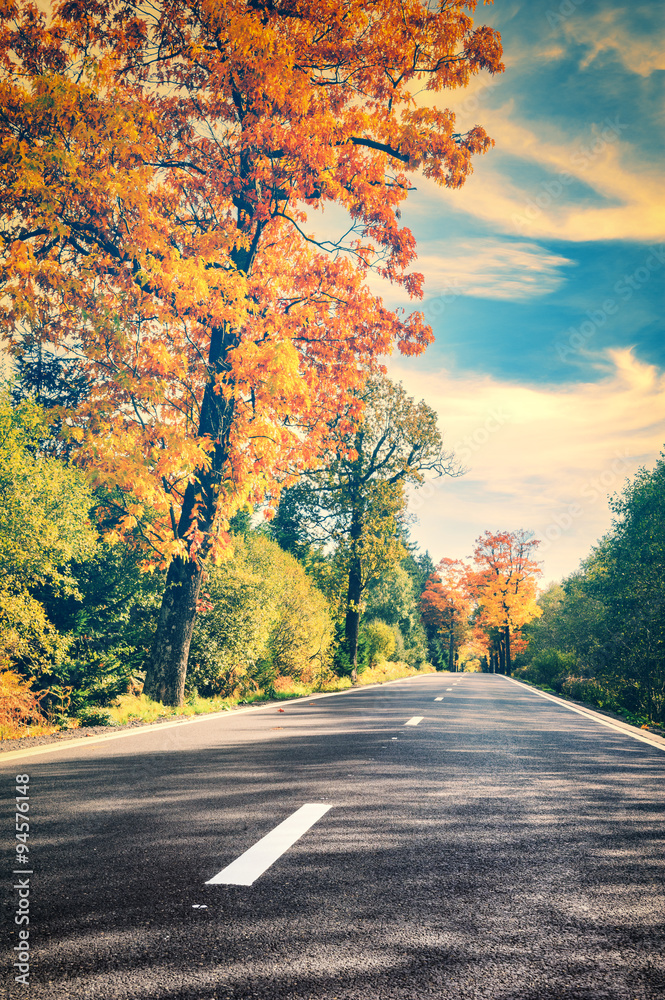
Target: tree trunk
(165, 680)
(352, 621)
(451, 650)
(509, 664)
(502, 657)
(354, 593)
(166, 668)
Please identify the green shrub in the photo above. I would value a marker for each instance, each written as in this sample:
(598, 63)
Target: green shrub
(266, 619)
(379, 642)
(550, 668)
(588, 689)
(94, 717)
(628, 695)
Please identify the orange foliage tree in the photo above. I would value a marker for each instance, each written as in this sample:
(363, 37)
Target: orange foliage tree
(445, 605)
(503, 583)
(158, 159)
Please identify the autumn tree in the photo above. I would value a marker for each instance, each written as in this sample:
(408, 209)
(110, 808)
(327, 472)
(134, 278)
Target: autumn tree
(357, 500)
(502, 580)
(158, 163)
(445, 606)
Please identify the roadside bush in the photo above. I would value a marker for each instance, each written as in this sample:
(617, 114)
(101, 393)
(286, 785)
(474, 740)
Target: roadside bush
(263, 618)
(19, 705)
(628, 695)
(379, 642)
(300, 631)
(550, 668)
(94, 717)
(587, 689)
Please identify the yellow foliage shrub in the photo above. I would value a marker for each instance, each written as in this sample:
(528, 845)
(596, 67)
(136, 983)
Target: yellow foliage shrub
(19, 707)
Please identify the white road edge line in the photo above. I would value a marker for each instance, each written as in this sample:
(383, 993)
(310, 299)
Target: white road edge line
(254, 862)
(89, 741)
(415, 720)
(587, 715)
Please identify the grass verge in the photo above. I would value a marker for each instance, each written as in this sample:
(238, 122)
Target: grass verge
(130, 708)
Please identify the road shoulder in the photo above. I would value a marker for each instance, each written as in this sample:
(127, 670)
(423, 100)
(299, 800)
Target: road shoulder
(638, 734)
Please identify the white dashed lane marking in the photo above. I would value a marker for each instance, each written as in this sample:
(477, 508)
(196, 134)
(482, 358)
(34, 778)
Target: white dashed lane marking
(415, 720)
(246, 869)
(440, 698)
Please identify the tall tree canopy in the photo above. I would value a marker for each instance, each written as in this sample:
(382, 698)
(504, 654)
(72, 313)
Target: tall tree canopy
(357, 499)
(158, 161)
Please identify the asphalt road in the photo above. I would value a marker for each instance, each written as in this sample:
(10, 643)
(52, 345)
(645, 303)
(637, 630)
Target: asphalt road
(502, 848)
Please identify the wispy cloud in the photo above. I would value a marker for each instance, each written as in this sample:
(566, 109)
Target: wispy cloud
(607, 32)
(628, 202)
(510, 270)
(543, 458)
(491, 268)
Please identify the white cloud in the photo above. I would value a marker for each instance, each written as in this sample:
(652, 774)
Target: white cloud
(491, 268)
(539, 457)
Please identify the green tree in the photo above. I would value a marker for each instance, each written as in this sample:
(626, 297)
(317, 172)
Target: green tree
(358, 499)
(632, 585)
(289, 525)
(545, 632)
(610, 614)
(392, 599)
(110, 621)
(45, 527)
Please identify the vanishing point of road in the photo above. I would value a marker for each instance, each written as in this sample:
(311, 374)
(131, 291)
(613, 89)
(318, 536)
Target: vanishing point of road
(456, 837)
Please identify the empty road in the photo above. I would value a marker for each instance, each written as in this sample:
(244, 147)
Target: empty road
(465, 839)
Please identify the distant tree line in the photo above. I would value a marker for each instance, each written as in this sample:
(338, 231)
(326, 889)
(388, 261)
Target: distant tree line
(480, 608)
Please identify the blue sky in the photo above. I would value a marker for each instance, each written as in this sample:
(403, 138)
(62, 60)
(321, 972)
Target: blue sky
(544, 283)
